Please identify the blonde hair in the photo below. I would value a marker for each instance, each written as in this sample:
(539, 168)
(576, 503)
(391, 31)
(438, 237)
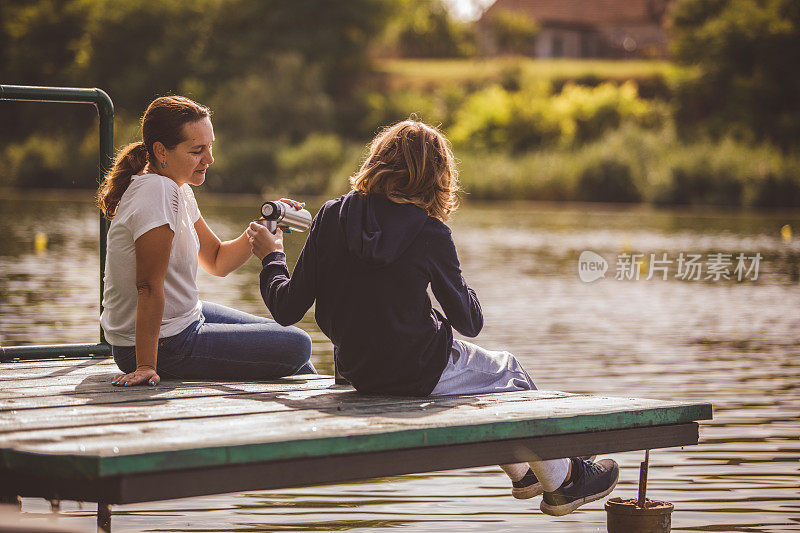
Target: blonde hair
(163, 122)
(411, 163)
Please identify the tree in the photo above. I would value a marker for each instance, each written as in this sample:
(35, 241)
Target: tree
(746, 79)
(425, 28)
(273, 69)
(38, 42)
(513, 32)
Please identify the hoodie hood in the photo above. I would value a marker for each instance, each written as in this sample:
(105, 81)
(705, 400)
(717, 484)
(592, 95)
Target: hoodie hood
(378, 230)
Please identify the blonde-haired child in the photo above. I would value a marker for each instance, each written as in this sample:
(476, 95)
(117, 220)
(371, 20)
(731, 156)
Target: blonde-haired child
(368, 261)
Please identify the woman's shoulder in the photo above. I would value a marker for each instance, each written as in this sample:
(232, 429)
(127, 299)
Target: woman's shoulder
(147, 191)
(152, 186)
(154, 181)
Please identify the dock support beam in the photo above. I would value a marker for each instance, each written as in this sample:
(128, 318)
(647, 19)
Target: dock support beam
(103, 517)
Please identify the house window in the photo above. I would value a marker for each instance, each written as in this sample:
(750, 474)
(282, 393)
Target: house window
(587, 45)
(558, 46)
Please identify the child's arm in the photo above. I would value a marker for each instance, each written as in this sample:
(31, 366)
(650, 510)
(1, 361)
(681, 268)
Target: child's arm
(458, 301)
(287, 297)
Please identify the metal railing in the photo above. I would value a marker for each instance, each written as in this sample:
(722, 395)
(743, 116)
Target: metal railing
(105, 110)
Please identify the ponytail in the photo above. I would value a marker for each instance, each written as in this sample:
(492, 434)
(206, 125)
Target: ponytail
(129, 161)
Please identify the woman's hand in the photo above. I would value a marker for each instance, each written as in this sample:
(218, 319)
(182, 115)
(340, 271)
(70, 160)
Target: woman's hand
(262, 241)
(143, 374)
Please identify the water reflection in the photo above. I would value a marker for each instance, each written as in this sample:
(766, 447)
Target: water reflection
(732, 344)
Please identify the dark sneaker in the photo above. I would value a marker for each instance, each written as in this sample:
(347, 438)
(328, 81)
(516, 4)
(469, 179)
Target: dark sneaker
(529, 486)
(589, 482)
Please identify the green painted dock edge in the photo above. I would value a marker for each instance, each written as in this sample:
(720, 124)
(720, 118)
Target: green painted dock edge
(95, 467)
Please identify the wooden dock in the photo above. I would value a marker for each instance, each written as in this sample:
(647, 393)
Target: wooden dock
(67, 433)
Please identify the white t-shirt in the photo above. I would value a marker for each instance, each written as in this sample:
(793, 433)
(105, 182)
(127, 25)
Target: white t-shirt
(151, 201)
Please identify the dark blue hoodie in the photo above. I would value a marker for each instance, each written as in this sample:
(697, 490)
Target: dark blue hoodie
(368, 263)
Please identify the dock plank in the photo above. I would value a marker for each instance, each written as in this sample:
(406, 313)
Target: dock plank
(13, 371)
(61, 362)
(101, 391)
(175, 409)
(19, 402)
(89, 378)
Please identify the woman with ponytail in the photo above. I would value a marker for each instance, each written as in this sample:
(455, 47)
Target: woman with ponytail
(153, 317)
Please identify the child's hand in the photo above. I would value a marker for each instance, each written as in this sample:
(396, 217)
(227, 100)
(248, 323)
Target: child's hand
(262, 241)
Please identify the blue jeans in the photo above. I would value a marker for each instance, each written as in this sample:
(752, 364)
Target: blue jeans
(226, 344)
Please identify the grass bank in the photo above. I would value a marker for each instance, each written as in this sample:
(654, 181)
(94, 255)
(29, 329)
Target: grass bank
(436, 73)
(634, 165)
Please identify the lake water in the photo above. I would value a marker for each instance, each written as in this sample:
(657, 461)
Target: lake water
(732, 343)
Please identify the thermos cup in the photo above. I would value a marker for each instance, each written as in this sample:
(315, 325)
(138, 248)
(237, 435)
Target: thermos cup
(277, 213)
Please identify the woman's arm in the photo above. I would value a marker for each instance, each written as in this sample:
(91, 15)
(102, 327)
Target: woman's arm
(152, 258)
(221, 258)
(217, 257)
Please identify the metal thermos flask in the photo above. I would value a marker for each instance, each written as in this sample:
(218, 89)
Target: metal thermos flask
(277, 213)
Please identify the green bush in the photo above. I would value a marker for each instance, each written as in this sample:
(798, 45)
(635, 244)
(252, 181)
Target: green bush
(548, 175)
(778, 192)
(696, 183)
(285, 99)
(651, 86)
(587, 113)
(306, 168)
(46, 162)
(633, 164)
(609, 180)
(776, 184)
(387, 108)
(724, 173)
(243, 166)
(533, 117)
(318, 165)
(495, 176)
(483, 120)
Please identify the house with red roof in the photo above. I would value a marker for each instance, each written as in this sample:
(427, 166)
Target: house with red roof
(586, 28)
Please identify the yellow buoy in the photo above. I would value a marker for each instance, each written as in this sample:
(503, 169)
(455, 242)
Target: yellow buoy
(40, 242)
(625, 245)
(786, 233)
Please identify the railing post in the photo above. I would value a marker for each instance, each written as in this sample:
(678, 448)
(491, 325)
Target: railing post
(105, 110)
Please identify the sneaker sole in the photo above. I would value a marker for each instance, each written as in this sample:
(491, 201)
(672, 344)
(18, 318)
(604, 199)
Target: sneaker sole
(531, 491)
(561, 510)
